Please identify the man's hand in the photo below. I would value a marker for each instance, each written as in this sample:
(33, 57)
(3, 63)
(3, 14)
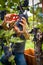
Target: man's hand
(23, 23)
(24, 31)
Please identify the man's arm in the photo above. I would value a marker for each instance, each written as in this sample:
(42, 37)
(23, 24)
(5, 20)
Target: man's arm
(24, 31)
(26, 35)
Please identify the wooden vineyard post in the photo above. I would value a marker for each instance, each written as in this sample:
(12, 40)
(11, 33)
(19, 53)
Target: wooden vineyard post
(42, 6)
(38, 50)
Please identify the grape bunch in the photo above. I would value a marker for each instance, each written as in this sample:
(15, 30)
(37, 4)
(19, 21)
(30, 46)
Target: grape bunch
(7, 52)
(25, 4)
(2, 14)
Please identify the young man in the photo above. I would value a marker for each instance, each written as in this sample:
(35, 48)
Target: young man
(18, 48)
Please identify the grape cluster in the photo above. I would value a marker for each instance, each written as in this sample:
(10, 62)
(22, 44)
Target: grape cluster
(4, 40)
(2, 44)
(7, 57)
(25, 4)
(4, 60)
(6, 51)
(2, 13)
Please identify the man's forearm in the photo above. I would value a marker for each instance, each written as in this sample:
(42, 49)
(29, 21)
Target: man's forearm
(26, 35)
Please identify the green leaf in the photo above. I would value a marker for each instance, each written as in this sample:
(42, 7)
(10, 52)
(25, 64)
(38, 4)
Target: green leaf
(16, 1)
(9, 33)
(40, 26)
(15, 39)
(11, 58)
(2, 32)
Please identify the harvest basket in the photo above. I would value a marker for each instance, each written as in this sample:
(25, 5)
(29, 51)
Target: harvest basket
(30, 57)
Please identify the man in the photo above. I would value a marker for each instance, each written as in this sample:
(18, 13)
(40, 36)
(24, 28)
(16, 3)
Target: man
(18, 48)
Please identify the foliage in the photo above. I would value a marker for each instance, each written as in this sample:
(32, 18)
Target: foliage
(7, 35)
(38, 17)
(40, 26)
(11, 7)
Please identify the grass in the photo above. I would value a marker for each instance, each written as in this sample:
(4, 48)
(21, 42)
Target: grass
(29, 44)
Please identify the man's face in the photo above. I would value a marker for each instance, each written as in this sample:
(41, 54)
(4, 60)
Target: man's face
(9, 18)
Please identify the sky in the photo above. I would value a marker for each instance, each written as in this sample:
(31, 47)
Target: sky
(35, 1)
